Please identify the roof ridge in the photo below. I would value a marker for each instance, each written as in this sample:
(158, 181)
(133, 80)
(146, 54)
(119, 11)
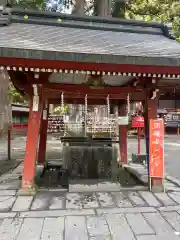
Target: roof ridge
(111, 20)
(87, 22)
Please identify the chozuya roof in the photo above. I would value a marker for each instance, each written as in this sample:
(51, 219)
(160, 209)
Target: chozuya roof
(53, 36)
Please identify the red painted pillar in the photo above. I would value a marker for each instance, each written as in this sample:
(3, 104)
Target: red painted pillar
(123, 134)
(32, 142)
(43, 134)
(151, 106)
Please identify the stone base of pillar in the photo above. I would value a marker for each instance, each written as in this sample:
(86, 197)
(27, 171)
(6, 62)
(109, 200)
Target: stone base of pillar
(27, 191)
(157, 185)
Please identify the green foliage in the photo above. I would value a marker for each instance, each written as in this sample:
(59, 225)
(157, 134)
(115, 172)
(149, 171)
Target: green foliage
(14, 95)
(58, 110)
(166, 11)
(32, 4)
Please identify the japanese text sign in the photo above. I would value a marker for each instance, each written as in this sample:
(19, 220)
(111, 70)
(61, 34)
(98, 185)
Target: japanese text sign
(156, 151)
(172, 120)
(138, 122)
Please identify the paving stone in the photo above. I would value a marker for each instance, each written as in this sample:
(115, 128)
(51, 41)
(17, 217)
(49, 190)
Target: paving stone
(31, 229)
(97, 226)
(15, 185)
(9, 176)
(154, 237)
(9, 228)
(165, 199)
(75, 228)
(136, 199)
(158, 223)
(150, 199)
(147, 237)
(19, 169)
(4, 187)
(175, 196)
(79, 201)
(119, 228)
(22, 203)
(101, 238)
(56, 213)
(57, 203)
(173, 218)
(7, 192)
(169, 184)
(105, 199)
(73, 200)
(138, 224)
(10, 186)
(169, 208)
(53, 229)
(6, 203)
(7, 215)
(173, 189)
(101, 211)
(41, 202)
(121, 199)
(89, 200)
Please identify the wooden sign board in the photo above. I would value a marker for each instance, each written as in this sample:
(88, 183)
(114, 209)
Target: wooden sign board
(156, 148)
(138, 122)
(123, 120)
(172, 120)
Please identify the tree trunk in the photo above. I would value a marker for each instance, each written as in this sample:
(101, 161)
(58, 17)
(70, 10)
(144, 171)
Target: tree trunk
(79, 8)
(119, 9)
(102, 8)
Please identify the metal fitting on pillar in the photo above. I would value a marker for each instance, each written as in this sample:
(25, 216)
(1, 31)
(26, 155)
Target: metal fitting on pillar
(154, 95)
(62, 101)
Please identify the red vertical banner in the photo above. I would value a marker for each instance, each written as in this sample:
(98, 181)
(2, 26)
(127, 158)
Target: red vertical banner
(156, 148)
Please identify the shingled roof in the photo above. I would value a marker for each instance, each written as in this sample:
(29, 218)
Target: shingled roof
(53, 36)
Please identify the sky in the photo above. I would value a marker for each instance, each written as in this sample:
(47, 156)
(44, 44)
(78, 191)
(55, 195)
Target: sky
(56, 4)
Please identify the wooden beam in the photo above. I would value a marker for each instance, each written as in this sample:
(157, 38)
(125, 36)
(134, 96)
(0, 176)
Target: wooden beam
(53, 94)
(89, 89)
(79, 91)
(55, 64)
(81, 101)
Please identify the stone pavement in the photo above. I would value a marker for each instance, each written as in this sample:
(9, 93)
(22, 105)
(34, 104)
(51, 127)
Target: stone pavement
(62, 215)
